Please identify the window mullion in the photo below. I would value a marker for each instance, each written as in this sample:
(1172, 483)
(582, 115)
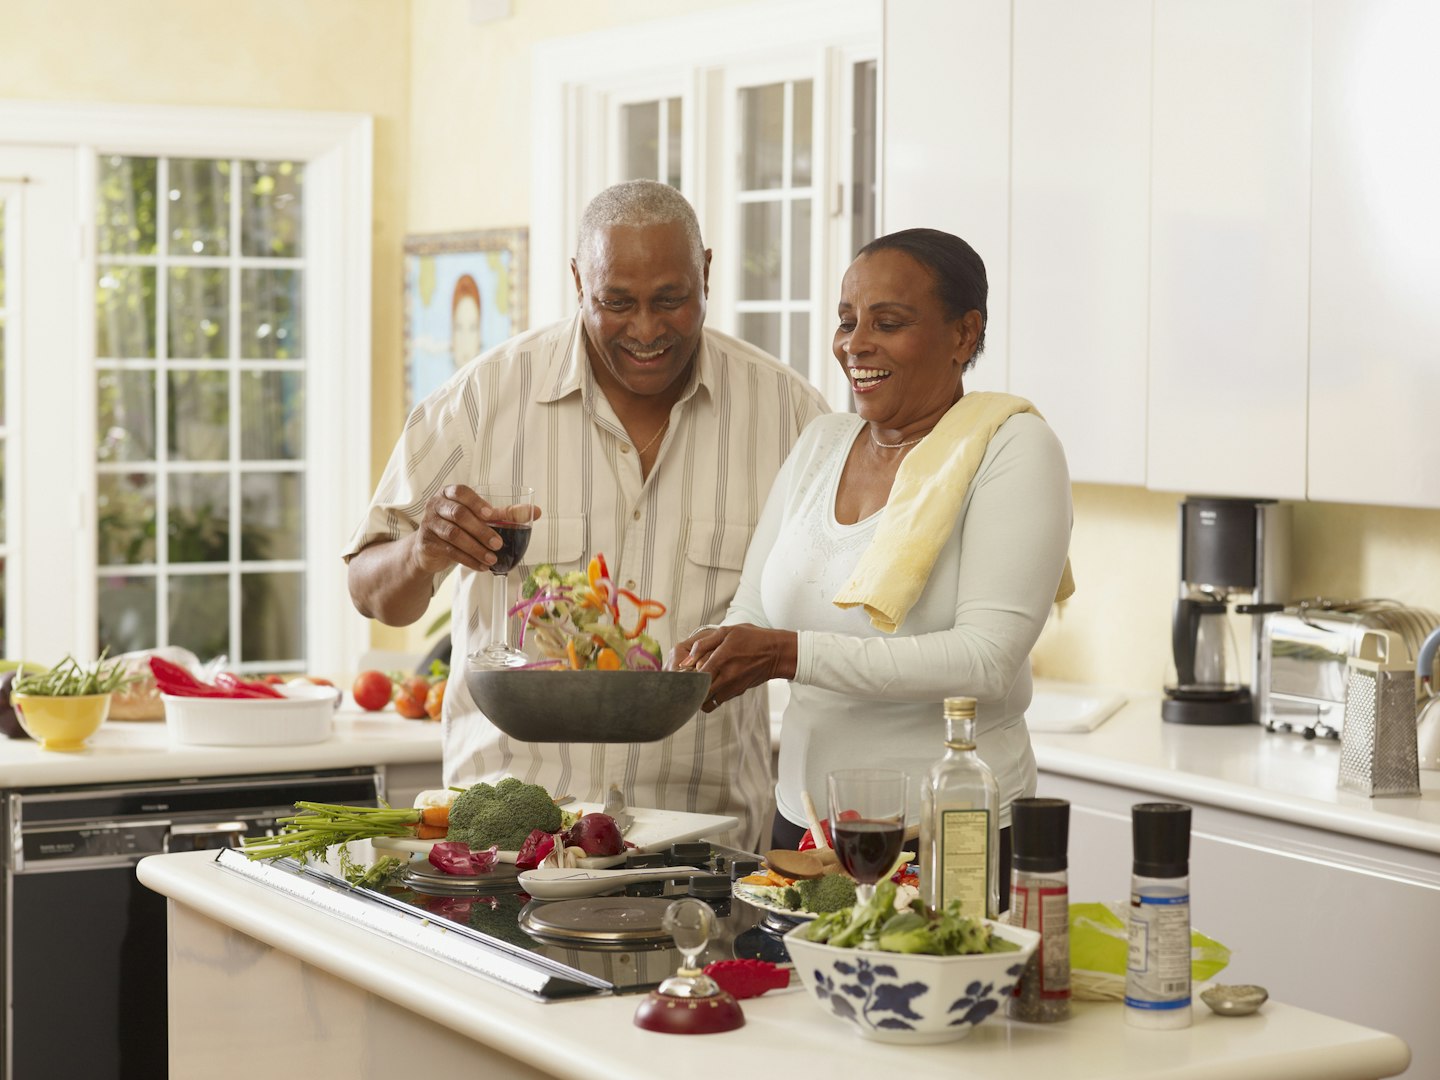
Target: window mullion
(162, 404)
(233, 575)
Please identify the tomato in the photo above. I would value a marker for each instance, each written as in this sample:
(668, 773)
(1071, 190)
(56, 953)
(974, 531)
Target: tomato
(435, 700)
(317, 680)
(410, 697)
(273, 680)
(372, 690)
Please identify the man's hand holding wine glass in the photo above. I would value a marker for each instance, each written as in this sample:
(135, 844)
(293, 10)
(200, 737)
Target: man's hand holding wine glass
(459, 526)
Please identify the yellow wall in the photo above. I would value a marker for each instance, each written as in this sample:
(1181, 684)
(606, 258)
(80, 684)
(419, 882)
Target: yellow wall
(1125, 551)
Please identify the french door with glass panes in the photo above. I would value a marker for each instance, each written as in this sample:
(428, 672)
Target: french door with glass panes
(774, 143)
(200, 449)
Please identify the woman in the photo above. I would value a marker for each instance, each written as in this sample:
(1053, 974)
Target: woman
(912, 321)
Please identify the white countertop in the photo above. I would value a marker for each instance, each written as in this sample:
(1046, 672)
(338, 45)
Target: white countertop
(1244, 768)
(785, 1034)
(134, 750)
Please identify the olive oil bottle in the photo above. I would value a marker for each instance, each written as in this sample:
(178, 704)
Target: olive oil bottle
(960, 822)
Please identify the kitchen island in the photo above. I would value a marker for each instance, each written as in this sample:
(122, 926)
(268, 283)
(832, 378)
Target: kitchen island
(317, 995)
(1327, 898)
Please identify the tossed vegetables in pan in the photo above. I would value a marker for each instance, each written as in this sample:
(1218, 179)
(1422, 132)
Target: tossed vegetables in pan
(583, 620)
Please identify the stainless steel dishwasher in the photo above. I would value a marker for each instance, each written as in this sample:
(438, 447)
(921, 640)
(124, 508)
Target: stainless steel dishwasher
(84, 957)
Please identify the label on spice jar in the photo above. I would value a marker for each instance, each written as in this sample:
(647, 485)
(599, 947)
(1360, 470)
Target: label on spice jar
(1046, 908)
(1157, 974)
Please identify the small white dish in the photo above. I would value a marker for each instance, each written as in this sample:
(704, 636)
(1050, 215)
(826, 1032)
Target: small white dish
(304, 714)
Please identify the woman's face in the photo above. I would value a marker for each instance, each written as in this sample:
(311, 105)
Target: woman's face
(902, 356)
(465, 331)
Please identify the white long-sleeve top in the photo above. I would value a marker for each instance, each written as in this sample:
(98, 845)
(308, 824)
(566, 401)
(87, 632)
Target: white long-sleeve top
(861, 697)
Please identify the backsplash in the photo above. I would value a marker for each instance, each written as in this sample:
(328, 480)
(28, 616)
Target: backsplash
(1115, 630)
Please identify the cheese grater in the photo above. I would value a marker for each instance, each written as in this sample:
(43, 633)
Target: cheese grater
(1378, 749)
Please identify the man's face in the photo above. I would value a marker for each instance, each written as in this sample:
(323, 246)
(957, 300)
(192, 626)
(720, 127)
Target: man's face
(642, 300)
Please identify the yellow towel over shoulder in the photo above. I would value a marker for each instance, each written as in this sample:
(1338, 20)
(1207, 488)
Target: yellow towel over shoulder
(924, 502)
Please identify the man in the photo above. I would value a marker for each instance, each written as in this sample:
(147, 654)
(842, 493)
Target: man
(646, 437)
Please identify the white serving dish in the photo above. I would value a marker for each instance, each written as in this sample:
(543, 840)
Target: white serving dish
(652, 830)
(906, 997)
(305, 714)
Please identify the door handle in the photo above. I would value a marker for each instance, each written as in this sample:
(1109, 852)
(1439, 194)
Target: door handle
(197, 835)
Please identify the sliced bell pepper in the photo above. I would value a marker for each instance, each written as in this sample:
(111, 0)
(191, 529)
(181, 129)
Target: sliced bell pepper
(608, 660)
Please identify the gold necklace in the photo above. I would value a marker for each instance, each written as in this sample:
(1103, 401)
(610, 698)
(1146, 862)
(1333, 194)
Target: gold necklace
(895, 445)
(660, 431)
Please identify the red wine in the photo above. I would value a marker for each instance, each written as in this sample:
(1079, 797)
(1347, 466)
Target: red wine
(514, 539)
(867, 849)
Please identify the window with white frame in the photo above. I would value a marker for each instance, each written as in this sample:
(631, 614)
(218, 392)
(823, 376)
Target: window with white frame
(778, 152)
(221, 413)
(7, 208)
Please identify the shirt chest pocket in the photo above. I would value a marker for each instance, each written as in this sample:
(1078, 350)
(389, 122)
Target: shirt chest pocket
(559, 541)
(719, 545)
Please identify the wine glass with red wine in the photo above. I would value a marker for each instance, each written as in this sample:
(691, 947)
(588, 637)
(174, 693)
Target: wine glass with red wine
(867, 820)
(515, 508)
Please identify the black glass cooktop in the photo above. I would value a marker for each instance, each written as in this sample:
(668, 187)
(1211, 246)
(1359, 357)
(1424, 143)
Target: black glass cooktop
(550, 950)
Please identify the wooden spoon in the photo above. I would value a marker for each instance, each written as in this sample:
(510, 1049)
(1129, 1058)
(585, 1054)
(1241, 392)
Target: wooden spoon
(812, 863)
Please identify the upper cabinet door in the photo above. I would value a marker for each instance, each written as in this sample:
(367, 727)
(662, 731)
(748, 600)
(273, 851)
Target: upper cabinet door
(1229, 266)
(946, 130)
(1080, 221)
(1375, 312)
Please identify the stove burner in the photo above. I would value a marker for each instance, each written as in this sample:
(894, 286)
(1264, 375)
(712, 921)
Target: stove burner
(599, 920)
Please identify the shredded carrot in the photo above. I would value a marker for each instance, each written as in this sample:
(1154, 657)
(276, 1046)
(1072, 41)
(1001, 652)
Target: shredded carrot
(570, 653)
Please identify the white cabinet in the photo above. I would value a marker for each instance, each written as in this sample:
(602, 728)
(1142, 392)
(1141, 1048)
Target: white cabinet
(1324, 921)
(946, 158)
(1079, 228)
(1375, 276)
(1229, 247)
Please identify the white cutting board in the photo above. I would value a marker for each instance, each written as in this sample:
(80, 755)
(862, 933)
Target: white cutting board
(653, 830)
(1071, 708)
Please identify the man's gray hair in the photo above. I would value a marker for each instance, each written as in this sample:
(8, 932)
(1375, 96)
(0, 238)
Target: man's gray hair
(637, 203)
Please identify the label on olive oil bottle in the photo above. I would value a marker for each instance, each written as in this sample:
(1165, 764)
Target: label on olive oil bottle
(965, 860)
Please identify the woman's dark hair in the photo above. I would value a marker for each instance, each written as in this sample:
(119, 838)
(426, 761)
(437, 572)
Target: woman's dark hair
(959, 273)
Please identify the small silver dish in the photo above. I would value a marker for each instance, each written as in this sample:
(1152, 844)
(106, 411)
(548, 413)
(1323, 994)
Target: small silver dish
(1234, 1000)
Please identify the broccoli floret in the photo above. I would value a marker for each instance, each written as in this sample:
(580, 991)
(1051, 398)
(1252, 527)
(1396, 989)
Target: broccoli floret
(833, 892)
(484, 816)
(790, 897)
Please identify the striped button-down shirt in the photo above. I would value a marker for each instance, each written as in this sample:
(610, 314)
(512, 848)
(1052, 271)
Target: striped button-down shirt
(530, 412)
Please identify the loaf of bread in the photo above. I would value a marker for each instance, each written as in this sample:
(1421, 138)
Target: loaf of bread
(140, 700)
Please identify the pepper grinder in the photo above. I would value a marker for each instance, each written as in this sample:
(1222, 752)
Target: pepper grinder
(689, 1002)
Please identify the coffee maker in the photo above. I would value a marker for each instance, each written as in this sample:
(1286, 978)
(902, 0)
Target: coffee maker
(1234, 558)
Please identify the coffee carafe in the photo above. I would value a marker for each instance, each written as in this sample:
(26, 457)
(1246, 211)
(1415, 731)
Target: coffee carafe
(1234, 559)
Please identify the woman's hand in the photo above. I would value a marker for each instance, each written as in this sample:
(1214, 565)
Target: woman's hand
(736, 658)
(455, 528)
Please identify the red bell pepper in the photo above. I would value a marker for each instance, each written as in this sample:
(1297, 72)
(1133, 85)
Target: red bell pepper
(245, 688)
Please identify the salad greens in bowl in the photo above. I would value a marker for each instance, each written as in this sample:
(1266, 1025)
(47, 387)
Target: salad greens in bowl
(912, 975)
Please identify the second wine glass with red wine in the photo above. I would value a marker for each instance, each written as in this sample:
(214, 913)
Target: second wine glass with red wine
(515, 509)
(867, 819)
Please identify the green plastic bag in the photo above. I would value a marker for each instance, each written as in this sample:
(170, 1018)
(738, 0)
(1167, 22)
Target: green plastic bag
(1099, 951)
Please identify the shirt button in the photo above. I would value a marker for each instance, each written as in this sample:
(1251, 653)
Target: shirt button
(636, 515)
(630, 584)
(624, 448)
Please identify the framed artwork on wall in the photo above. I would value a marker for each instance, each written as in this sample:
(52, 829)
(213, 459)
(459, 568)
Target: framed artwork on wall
(464, 293)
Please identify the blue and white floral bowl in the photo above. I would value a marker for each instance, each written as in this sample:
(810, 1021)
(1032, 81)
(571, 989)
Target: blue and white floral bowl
(909, 998)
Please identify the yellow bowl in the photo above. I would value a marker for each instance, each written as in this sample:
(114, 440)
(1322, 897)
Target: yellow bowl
(61, 723)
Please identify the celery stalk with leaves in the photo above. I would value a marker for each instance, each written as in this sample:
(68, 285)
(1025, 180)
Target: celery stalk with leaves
(70, 679)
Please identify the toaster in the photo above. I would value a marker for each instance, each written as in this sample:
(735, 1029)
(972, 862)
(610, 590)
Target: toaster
(1303, 653)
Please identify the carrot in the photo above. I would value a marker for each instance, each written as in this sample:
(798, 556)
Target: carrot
(430, 832)
(608, 660)
(435, 816)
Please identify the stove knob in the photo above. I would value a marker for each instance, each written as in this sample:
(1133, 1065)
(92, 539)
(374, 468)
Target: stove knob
(710, 886)
(743, 868)
(692, 853)
(645, 860)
